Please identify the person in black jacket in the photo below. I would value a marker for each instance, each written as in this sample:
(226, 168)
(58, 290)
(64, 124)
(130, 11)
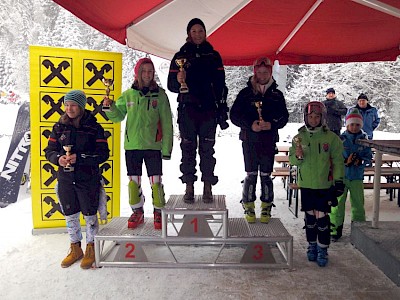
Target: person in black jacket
(78, 175)
(259, 110)
(200, 83)
(336, 110)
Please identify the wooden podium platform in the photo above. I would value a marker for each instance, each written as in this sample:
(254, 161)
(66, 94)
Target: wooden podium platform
(195, 236)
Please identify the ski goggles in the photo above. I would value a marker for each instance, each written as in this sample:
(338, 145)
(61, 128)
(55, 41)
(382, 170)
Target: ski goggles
(315, 107)
(262, 61)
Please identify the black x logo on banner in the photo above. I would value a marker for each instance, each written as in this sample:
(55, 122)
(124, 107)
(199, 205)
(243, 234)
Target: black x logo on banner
(55, 207)
(98, 74)
(56, 72)
(97, 108)
(55, 107)
(50, 169)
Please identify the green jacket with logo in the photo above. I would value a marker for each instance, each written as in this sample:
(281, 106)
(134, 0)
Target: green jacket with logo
(322, 163)
(149, 120)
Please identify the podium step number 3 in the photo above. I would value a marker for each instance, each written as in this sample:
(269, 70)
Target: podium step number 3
(259, 253)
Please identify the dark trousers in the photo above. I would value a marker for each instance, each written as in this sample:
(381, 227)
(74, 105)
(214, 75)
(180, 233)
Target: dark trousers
(258, 156)
(134, 162)
(197, 129)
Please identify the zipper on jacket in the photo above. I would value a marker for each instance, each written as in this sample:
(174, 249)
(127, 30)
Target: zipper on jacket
(126, 134)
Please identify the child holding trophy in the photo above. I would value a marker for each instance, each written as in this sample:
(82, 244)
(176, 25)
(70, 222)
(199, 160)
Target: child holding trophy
(148, 137)
(317, 153)
(77, 145)
(197, 74)
(259, 110)
(356, 157)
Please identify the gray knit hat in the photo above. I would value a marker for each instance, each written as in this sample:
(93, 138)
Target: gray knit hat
(76, 96)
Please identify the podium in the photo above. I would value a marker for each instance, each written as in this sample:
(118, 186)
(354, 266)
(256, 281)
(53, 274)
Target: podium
(198, 235)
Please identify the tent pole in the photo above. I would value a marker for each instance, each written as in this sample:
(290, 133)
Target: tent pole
(298, 26)
(382, 7)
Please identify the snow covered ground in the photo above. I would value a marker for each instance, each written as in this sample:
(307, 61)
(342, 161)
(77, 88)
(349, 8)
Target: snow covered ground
(30, 264)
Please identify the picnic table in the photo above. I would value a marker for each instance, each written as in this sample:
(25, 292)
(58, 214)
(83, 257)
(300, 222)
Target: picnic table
(381, 146)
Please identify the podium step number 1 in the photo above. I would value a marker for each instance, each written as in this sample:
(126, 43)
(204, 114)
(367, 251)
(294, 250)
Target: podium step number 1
(195, 226)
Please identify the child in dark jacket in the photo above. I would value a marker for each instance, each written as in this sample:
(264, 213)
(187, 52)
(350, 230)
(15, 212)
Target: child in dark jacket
(77, 145)
(355, 157)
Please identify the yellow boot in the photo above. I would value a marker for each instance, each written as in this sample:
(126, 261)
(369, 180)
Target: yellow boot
(89, 257)
(249, 213)
(75, 254)
(266, 212)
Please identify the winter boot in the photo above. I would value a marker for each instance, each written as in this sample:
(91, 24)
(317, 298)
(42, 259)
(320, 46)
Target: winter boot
(136, 218)
(75, 254)
(312, 251)
(266, 211)
(338, 235)
(207, 193)
(157, 219)
(249, 213)
(89, 257)
(189, 193)
(322, 258)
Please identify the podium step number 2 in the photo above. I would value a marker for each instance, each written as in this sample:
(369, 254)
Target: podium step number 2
(131, 252)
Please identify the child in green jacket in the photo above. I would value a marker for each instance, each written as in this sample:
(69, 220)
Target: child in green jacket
(148, 137)
(317, 153)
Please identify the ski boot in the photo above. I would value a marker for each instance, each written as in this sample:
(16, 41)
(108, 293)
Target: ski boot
(249, 212)
(266, 212)
(312, 251)
(136, 218)
(322, 258)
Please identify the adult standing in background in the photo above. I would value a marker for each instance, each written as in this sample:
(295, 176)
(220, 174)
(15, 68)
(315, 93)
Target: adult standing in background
(370, 115)
(200, 82)
(259, 110)
(336, 110)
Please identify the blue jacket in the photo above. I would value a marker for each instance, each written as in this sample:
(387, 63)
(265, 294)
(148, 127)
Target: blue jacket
(370, 118)
(350, 146)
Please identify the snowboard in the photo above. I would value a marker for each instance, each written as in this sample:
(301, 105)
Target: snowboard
(18, 153)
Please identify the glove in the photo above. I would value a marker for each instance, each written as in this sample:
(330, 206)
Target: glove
(166, 157)
(353, 159)
(221, 120)
(339, 188)
(333, 201)
(222, 110)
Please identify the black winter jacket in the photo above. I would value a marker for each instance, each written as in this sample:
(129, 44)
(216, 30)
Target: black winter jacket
(88, 142)
(244, 112)
(205, 75)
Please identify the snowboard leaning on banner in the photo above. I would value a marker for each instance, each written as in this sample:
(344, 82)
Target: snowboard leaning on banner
(18, 153)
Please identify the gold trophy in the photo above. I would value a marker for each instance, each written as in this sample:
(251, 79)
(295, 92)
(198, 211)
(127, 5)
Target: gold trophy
(258, 104)
(297, 142)
(108, 83)
(68, 167)
(180, 62)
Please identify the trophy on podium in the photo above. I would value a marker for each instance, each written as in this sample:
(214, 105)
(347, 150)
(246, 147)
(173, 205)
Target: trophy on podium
(180, 62)
(108, 83)
(258, 104)
(297, 141)
(68, 167)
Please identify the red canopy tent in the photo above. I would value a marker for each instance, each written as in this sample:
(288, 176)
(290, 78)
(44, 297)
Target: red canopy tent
(291, 31)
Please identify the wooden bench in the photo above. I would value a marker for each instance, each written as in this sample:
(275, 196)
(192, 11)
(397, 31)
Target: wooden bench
(367, 185)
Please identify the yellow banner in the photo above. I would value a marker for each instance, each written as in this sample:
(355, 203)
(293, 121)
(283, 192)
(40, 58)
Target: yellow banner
(54, 72)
